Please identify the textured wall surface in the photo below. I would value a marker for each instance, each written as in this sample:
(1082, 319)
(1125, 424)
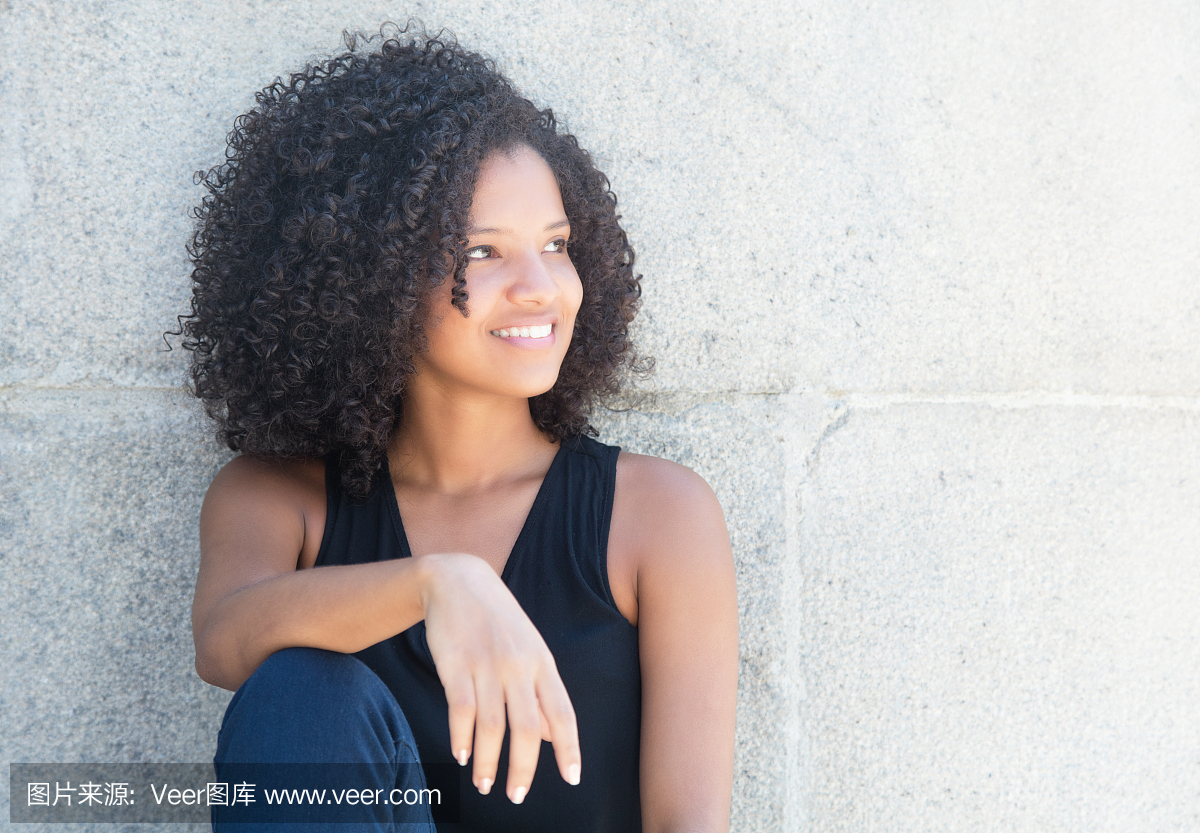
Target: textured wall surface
(923, 284)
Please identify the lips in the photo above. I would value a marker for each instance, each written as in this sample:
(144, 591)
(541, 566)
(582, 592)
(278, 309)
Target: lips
(536, 331)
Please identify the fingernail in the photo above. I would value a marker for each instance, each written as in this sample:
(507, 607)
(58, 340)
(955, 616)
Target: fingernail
(462, 757)
(518, 795)
(485, 786)
(573, 775)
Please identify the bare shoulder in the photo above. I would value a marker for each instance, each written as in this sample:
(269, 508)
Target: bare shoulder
(298, 474)
(666, 521)
(672, 531)
(274, 493)
(663, 488)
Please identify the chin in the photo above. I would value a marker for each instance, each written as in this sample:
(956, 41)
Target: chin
(538, 391)
(529, 388)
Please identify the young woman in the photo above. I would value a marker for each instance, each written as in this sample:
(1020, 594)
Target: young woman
(409, 289)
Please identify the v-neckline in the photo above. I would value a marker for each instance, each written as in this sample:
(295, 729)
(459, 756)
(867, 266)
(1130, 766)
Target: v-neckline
(513, 554)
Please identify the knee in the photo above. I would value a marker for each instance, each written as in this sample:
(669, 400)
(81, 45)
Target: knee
(313, 666)
(306, 703)
(308, 679)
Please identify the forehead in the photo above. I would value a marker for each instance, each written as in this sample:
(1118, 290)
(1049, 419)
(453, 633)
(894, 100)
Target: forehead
(515, 187)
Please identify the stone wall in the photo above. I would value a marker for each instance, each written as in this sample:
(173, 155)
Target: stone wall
(923, 284)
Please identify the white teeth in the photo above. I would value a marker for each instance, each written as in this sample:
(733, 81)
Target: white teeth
(525, 332)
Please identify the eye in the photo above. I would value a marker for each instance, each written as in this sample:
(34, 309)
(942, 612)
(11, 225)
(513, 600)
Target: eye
(480, 253)
(557, 245)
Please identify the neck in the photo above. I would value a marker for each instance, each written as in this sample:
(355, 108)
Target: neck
(455, 445)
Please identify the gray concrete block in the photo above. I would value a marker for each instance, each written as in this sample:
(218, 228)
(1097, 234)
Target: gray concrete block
(999, 627)
(836, 197)
(99, 500)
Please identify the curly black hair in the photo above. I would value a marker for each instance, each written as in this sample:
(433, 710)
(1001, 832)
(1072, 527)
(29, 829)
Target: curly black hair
(342, 202)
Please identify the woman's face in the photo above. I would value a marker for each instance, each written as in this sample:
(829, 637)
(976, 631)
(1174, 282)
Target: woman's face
(523, 291)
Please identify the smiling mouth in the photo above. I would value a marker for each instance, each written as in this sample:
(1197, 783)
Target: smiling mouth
(541, 331)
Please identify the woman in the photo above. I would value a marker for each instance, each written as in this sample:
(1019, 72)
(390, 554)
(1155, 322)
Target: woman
(409, 288)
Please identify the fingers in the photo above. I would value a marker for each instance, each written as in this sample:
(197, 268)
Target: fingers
(524, 740)
(559, 716)
(489, 731)
(460, 701)
(480, 709)
(496, 671)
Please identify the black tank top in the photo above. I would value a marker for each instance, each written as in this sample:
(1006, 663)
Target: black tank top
(558, 571)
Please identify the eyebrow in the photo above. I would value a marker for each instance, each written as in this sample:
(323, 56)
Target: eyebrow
(551, 227)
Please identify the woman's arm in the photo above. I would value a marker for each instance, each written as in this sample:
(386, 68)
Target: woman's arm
(668, 519)
(261, 520)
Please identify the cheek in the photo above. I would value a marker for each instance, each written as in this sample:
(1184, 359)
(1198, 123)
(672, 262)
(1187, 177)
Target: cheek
(439, 316)
(573, 293)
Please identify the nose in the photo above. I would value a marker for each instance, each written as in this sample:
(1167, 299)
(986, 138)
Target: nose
(532, 282)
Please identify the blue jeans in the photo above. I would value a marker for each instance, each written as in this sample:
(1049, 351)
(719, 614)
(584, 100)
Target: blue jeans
(338, 733)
